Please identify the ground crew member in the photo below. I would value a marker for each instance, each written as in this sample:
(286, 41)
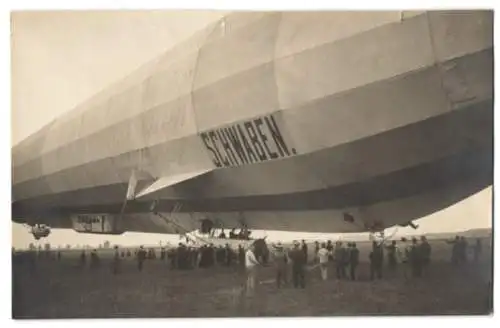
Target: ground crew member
(251, 269)
(141, 257)
(376, 261)
(329, 247)
(298, 266)
(191, 256)
(228, 255)
(478, 248)
(172, 257)
(94, 260)
(304, 249)
(316, 250)
(197, 259)
(455, 250)
(340, 260)
(212, 254)
(463, 250)
(162, 254)
(345, 260)
(203, 256)
(353, 260)
(241, 256)
(220, 254)
(392, 255)
(116, 261)
(404, 257)
(323, 255)
(281, 263)
(425, 252)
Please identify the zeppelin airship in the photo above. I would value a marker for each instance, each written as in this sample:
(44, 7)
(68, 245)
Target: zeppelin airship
(292, 121)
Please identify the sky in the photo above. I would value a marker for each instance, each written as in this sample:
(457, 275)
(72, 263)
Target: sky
(61, 59)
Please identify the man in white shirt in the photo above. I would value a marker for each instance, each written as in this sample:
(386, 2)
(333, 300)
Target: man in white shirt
(251, 268)
(323, 255)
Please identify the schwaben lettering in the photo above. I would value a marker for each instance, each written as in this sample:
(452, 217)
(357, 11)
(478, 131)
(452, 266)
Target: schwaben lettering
(212, 136)
(232, 134)
(277, 137)
(255, 141)
(248, 149)
(263, 138)
(227, 147)
(206, 141)
(247, 142)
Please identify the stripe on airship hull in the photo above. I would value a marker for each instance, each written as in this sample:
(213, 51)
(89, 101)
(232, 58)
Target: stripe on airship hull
(251, 141)
(472, 170)
(397, 210)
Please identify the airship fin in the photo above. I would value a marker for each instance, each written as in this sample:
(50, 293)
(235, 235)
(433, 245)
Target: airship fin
(132, 184)
(168, 181)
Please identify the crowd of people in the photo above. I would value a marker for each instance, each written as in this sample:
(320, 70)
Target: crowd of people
(184, 257)
(459, 250)
(411, 257)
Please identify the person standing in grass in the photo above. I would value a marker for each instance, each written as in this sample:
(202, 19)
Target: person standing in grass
(425, 253)
(116, 261)
(251, 269)
(281, 263)
(323, 257)
(353, 260)
(141, 257)
(298, 259)
(376, 261)
(392, 251)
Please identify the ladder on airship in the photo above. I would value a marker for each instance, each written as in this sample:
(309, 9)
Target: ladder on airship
(130, 195)
(187, 233)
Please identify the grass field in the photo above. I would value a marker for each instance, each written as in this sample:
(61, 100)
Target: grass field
(63, 290)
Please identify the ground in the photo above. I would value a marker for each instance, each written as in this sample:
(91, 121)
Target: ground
(59, 289)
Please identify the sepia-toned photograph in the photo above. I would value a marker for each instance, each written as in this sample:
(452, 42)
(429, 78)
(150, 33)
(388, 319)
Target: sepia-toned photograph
(238, 163)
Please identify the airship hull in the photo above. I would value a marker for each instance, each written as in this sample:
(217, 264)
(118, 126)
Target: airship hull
(279, 126)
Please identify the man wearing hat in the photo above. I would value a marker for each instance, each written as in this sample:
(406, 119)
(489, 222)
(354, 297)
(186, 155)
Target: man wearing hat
(404, 254)
(298, 265)
(141, 257)
(116, 261)
(280, 262)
